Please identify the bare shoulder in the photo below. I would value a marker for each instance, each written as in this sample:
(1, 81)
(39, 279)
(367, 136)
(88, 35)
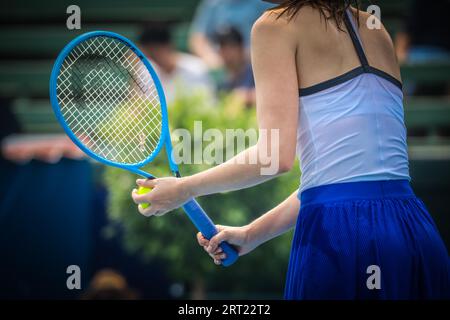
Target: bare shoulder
(272, 25)
(305, 21)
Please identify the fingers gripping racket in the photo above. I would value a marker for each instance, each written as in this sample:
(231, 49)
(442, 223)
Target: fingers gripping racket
(109, 100)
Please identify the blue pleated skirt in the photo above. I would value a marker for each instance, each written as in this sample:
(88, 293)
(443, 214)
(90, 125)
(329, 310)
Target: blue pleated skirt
(366, 240)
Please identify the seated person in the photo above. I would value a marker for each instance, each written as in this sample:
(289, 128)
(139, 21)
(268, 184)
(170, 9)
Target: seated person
(180, 73)
(238, 70)
(212, 15)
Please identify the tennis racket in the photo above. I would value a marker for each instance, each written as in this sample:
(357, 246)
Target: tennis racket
(109, 100)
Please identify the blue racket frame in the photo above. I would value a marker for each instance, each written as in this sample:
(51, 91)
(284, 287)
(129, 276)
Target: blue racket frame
(193, 210)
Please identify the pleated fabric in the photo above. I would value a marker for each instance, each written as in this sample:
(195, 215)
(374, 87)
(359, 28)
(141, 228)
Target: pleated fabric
(348, 233)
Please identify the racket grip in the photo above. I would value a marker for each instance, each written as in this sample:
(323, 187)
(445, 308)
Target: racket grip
(204, 224)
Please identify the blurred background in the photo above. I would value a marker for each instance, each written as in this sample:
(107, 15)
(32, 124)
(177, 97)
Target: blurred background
(57, 208)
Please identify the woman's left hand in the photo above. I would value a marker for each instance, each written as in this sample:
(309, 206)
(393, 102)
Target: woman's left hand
(166, 195)
(238, 237)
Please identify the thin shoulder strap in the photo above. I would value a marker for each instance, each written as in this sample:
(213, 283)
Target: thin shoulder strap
(354, 35)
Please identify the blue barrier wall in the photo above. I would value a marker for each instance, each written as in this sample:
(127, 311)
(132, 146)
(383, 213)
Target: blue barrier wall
(45, 226)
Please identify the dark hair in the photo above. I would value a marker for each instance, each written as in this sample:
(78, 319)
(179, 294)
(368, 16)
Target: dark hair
(155, 33)
(228, 35)
(329, 9)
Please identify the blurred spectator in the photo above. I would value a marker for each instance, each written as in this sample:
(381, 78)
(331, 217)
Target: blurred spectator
(425, 39)
(21, 148)
(179, 72)
(212, 15)
(238, 69)
(109, 285)
(48, 148)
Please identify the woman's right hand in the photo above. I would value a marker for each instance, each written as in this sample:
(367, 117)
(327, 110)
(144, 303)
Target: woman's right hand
(238, 237)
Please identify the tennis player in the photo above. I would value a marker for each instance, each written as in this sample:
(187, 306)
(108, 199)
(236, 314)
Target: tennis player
(332, 88)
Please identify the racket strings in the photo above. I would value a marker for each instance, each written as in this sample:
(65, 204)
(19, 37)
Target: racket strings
(109, 100)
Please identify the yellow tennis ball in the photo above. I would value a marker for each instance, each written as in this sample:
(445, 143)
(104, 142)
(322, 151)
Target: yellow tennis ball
(144, 190)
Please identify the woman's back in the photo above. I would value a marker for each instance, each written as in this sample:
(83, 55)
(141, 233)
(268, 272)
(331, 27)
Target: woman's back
(325, 52)
(350, 125)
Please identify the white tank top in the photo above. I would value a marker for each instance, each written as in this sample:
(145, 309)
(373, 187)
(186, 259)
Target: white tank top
(351, 128)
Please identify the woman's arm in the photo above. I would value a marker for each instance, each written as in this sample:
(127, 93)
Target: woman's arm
(274, 67)
(272, 224)
(273, 61)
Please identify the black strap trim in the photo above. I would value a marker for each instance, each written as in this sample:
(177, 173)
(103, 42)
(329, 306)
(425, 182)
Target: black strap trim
(386, 76)
(356, 42)
(332, 82)
(347, 77)
(364, 68)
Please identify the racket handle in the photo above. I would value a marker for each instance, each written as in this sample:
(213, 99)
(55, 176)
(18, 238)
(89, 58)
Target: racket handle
(204, 224)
